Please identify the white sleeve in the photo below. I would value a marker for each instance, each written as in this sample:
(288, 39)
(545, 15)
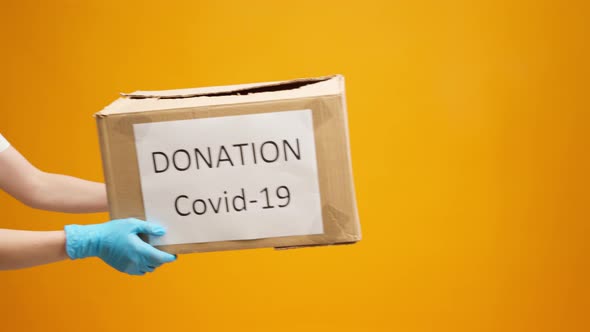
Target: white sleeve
(3, 143)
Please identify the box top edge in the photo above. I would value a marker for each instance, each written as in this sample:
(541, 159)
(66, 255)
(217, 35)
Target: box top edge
(140, 101)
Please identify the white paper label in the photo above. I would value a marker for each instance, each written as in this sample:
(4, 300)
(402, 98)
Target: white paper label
(230, 178)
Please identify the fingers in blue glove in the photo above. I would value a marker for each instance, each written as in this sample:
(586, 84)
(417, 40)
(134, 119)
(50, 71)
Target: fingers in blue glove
(117, 243)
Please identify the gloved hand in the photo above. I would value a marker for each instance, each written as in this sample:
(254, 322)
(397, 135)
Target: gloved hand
(117, 244)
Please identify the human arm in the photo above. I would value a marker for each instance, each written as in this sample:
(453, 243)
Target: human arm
(116, 242)
(22, 249)
(48, 191)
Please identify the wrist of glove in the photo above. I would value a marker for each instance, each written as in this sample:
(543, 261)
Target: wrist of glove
(117, 243)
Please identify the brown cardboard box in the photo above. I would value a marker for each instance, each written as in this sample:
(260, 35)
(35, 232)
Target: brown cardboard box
(325, 98)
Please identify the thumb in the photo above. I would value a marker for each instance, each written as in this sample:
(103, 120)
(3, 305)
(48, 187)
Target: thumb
(155, 256)
(146, 227)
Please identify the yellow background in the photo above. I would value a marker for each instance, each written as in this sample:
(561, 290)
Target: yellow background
(469, 125)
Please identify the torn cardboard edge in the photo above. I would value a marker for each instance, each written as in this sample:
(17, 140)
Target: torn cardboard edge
(144, 101)
(272, 87)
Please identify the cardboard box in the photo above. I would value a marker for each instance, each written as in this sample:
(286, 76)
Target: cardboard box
(233, 167)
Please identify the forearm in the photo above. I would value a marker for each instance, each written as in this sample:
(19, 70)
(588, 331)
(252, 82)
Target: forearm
(48, 191)
(21, 249)
(64, 193)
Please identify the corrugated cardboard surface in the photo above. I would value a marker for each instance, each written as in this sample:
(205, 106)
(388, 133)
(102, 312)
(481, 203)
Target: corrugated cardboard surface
(340, 217)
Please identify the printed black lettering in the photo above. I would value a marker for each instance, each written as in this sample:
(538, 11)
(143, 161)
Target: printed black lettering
(176, 205)
(254, 153)
(241, 152)
(215, 208)
(263, 155)
(222, 150)
(156, 169)
(239, 198)
(287, 145)
(207, 161)
(202, 203)
(226, 203)
(234, 155)
(188, 160)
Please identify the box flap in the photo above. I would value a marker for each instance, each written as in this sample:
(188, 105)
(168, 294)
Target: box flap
(141, 101)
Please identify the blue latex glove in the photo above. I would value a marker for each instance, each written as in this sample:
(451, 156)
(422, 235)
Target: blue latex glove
(117, 244)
